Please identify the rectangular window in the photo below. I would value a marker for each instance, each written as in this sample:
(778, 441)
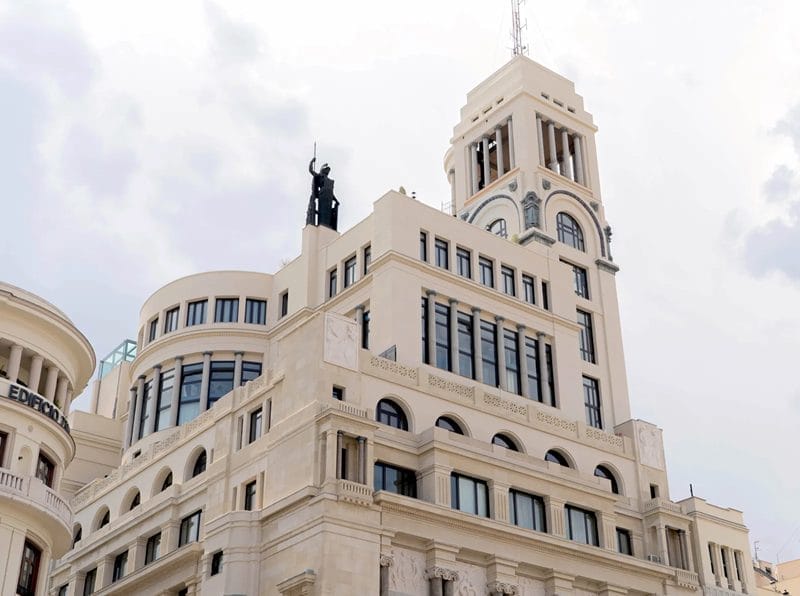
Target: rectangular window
(591, 399)
(216, 563)
(464, 262)
(526, 510)
(365, 330)
(548, 360)
(441, 251)
(423, 246)
(145, 414)
(226, 310)
(29, 570)
(442, 327)
(189, 399)
(3, 443)
(337, 393)
(256, 425)
(724, 557)
(250, 371)
(152, 549)
(120, 563)
(486, 267)
(507, 274)
(469, 495)
(45, 469)
(332, 282)
(220, 381)
(545, 295)
(512, 361)
(367, 258)
(528, 289)
(534, 371)
(395, 480)
(350, 272)
(581, 525)
(624, 543)
(586, 336)
(581, 281)
(62, 591)
(171, 320)
(89, 581)
(250, 495)
(151, 335)
(425, 355)
(285, 303)
(190, 529)
(466, 352)
(165, 388)
(255, 311)
(196, 313)
(489, 353)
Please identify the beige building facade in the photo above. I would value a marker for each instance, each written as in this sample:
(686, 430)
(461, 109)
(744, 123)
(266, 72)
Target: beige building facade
(431, 402)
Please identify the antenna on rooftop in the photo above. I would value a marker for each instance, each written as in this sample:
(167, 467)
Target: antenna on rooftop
(517, 26)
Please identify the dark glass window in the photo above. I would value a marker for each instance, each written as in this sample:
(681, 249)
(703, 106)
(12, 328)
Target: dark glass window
(220, 380)
(250, 495)
(711, 558)
(76, 538)
(29, 570)
(527, 289)
(389, 413)
(365, 330)
(165, 389)
(442, 328)
(256, 425)
(196, 313)
(504, 441)
(531, 213)
(338, 393)
(332, 282)
(349, 272)
(45, 469)
(395, 480)
(581, 525)
(171, 320)
(448, 423)
(469, 495)
(104, 521)
(512, 361)
(135, 501)
(152, 549)
(507, 275)
(226, 310)
(499, 228)
(604, 472)
(581, 281)
(556, 458)
(526, 510)
(569, 231)
(167, 482)
(153, 330)
(534, 372)
(89, 581)
(464, 262)
(250, 371)
(624, 542)
(3, 442)
(367, 258)
(199, 464)
(120, 563)
(145, 416)
(285, 303)
(466, 353)
(425, 355)
(489, 353)
(190, 529)
(548, 356)
(441, 252)
(255, 311)
(423, 246)
(62, 591)
(486, 268)
(189, 404)
(545, 295)
(216, 563)
(586, 336)
(591, 399)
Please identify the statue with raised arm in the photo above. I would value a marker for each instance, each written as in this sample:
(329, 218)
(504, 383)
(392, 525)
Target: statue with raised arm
(323, 207)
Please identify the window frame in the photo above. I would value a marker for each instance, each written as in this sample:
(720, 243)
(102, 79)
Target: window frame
(350, 269)
(333, 282)
(255, 311)
(385, 416)
(163, 411)
(226, 309)
(486, 271)
(222, 373)
(366, 259)
(628, 550)
(441, 328)
(152, 333)
(529, 289)
(216, 563)
(569, 231)
(456, 498)
(449, 424)
(586, 340)
(194, 373)
(255, 425)
(423, 246)
(120, 566)
(171, 319)
(192, 316)
(490, 373)
(189, 531)
(405, 485)
(441, 253)
(284, 298)
(538, 510)
(89, 582)
(249, 492)
(591, 402)
(50, 472)
(464, 262)
(465, 336)
(590, 527)
(30, 568)
(508, 275)
(152, 549)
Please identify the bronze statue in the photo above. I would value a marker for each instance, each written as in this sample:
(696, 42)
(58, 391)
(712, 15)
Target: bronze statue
(323, 207)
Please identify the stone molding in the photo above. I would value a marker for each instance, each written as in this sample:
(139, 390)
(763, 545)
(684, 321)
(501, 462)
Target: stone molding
(386, 561)
(502, 588)
(441, 572)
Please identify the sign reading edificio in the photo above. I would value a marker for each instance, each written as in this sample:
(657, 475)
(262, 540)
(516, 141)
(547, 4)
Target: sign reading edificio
(37, 402)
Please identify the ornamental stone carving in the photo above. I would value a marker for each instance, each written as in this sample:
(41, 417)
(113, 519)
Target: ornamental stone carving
(556, 422)
(451, 387)
(604, 437)
(442, 572)
(494, 401)
(389, 366)
(341, 341)
(502, 588)
(386, 560)
(407, 575)
(651, 451)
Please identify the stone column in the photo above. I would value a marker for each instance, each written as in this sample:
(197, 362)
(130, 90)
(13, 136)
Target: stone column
(205, 381)
(716, 562)
(608, 538)
(544, 375)
(498, 493)
(14, 361)
(386, 561)
(339, 462)
(661, 536)
(540, 138)
(131, 415)
(477, 354)
(487, 174)
(731, 568)
(473, 150)
(512, 159)
(331, 459)
(136, 554)
(551, 138)
(555, 516)
(68, 401)
(61, 393)
(155, 388)
(453, 335)
(104, 570)
(137, 414)
(169, 537)
(523, 362)
(576, 142)
(36, 373)
(566, 167)
(738, 563)
(362, 460)
(176, 393)
(686, 545)
(237, 369)
(498, 139)
(50, 383)
(501, 354)
(431, 326)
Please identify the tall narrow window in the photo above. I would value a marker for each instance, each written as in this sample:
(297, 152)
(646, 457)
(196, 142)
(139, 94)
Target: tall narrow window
(526, 510)
(29, 570)
(255, 311)
(3, 442)
(350, 272)
(220, 380)
(120, 563)
(569, 231)
(190, 529)
(442, 326)
(216, 563)
(424, 318)
(591, 400)
(395, 480)
(469, 495)
(548, 355)
(153, 330)
(189, 400)
(171, 320)
(89, 581)
(624, 542)
(367, 258)
(466, 353)
(489, 353)
(226, 310)
(45, 469)
(250, 496)
(581, 525)
(250, 371)
(165, 389)
(527, 289)
(464, 262)
(145, 416)
(423, 246)
(581, 281)
(442, 254)
(365, 330)
(285, 303)
(512, 361)
(196, 313)
(586, 336)
(332, 282)
(534, 371)
(507, 274)
(152, 548)
(256, 425)
(486, 267)
(545, 295)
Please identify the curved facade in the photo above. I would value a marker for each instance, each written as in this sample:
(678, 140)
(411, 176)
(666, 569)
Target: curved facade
(44, 361)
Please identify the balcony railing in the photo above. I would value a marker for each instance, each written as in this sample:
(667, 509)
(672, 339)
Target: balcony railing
(659, 503)
(33, 489)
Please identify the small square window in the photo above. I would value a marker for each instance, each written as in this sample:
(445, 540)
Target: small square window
(337, 393)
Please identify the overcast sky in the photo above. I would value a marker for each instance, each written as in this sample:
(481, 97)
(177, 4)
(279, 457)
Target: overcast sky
(143, 141)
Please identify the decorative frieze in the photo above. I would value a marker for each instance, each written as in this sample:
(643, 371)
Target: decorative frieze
(464, 391)
(502, 588)
(603, 437)
(495, 401)
(556, 422)
(378, 364)
(441, 572)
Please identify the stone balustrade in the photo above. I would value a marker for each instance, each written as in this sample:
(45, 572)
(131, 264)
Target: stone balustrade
(35, 491)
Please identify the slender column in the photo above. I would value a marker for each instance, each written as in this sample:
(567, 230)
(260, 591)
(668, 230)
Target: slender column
(50, 383)
(431, 326)
(360, 323)
(713, 551)
(61, 392)
(523, 362)
(686, 544)
(176, 393)
(68, 402)
(731, 568)
(36, 373)
(551, 138)
(205, 380)
(566, 165)
(331, 458)
(486, 173)
(436, 586)
(576, 142)
(498, 139)
(339, 440)
(14, 361)
(453, 335)
(501, 354)
(156, 389)
(131, 415)
(476, 348)
(137, 413)
(540, 138)
(362, 460)
(663, 551)
(449, 587)
(237, 369)
(555, 516)
(473, 150)
(544, 373)
(512, 160)
(585, 170)
(386, 561)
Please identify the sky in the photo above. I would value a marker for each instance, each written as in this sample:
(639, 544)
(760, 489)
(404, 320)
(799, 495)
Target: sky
(140, 142)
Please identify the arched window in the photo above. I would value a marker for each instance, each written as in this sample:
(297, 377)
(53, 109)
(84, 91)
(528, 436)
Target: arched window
(199, 464)
(505, 441)
(569, 231)
(448, 423)
(499, 228)
(135, 501)
(604, 472)
(557, 458)
(390, 414)
(77, 535)
(167, 482)
(104, 519)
